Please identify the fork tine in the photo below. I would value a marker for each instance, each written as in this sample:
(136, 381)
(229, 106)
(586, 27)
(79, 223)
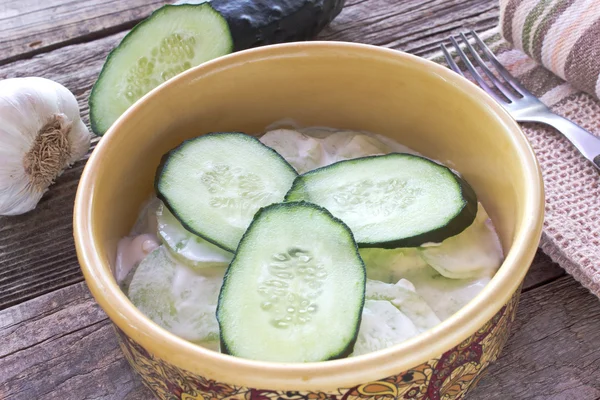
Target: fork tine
(481, 64)
(450, 60)
(499, 67)
(474, 72)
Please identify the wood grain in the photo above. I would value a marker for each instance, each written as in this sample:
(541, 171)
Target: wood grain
(36, 250)
(554, 352)
(29, 27)
(541, 272)
(67, 334)
(417, 27)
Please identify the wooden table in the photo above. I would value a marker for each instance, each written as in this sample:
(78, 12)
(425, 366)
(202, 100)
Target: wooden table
(56, 343)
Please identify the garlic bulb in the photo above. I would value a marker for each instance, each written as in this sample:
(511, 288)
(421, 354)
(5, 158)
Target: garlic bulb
(41, 134)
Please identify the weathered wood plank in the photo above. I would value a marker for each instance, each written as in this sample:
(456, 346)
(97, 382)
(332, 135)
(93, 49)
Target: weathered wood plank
(541, 272)
(413, 26)
(29, 27)
(66, 333)
(36, 250)
(553, 354)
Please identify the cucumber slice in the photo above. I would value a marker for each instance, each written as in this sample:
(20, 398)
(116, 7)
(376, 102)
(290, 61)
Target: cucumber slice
(215, 183)
(188, 248)
(382, 326)
(295, 290)
(171, 40)
(146, 222)
(395, 200)
(213, 345)
(445, 296)
(404, 296)
(124, 284)
(387, 265)
(176, 298)
(474, 252)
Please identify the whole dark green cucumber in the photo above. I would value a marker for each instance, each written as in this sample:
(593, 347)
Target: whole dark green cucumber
(260, 22)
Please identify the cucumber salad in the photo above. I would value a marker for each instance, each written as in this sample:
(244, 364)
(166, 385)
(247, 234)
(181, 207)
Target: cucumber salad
(305, 245)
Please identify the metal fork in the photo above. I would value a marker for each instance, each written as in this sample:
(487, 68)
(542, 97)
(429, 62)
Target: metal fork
(522, 105)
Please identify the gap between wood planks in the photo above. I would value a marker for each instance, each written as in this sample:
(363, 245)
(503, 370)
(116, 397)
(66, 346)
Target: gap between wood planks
(37, 253)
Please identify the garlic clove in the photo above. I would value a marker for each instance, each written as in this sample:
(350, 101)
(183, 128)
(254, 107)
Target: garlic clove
(18, 199)
(79, 139)
(79, 135)
(41, 134)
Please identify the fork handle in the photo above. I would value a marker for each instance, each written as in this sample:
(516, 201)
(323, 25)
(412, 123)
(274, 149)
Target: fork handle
(586, 143)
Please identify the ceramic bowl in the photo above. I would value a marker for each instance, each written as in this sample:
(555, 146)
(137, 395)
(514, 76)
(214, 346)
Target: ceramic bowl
(339, 85)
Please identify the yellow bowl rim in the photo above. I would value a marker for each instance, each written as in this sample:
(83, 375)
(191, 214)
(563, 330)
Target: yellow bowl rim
(334, 374)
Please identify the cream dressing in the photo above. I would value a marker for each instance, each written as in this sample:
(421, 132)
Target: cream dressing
(419, 295)
(176, 297)
(131, 251)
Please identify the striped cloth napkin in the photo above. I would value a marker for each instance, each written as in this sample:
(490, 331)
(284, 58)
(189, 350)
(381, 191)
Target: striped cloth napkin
(564, 37)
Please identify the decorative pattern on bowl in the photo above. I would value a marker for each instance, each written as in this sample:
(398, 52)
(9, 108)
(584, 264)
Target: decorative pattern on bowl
(448, 377)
